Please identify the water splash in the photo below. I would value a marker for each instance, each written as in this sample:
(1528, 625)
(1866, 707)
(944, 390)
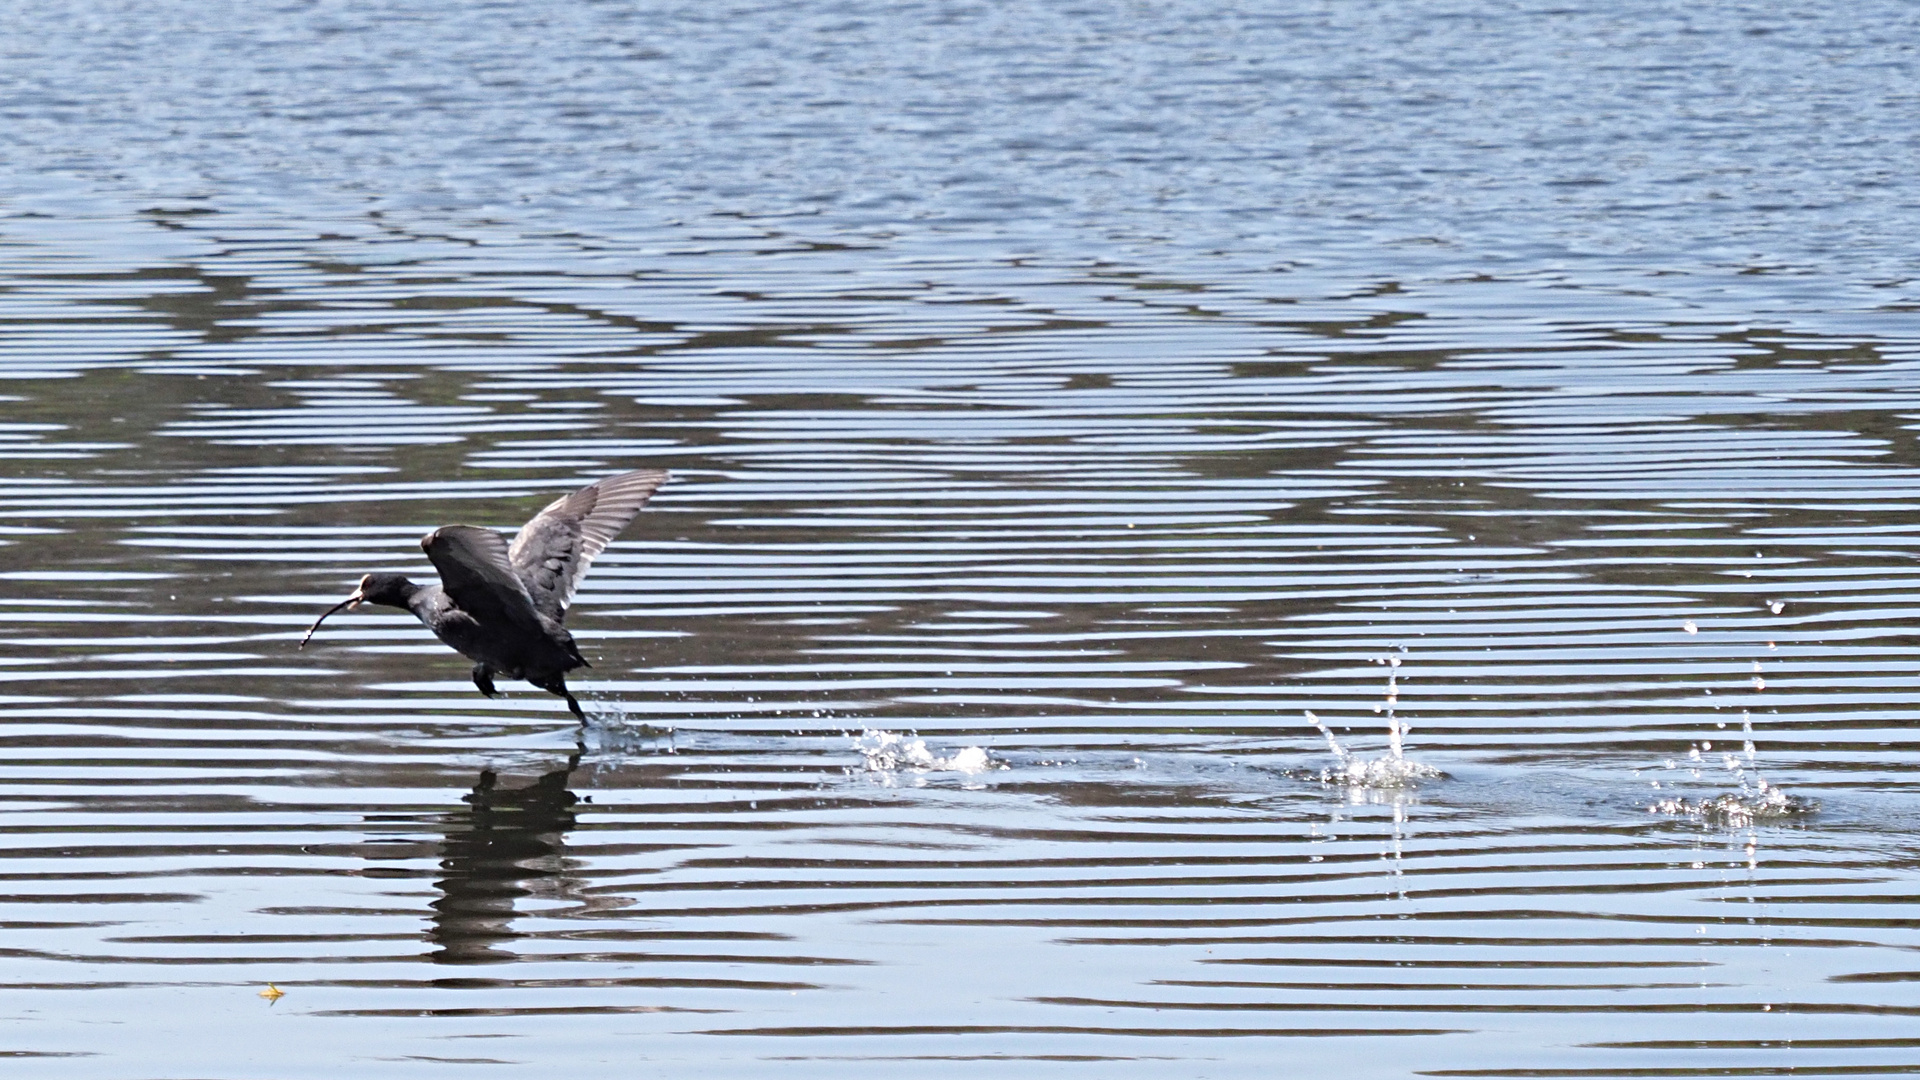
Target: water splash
(612, 729)
(1753, 799)
(1391, 770)
(891, 752)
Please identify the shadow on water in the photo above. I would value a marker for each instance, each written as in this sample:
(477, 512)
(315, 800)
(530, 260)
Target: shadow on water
(507, 843)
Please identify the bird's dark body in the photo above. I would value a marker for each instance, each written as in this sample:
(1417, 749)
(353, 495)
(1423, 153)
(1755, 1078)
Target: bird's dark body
(501, 605)
(499, 647)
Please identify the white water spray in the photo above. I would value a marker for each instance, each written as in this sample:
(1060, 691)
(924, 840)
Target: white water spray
(1394, 769)
(1753, 799)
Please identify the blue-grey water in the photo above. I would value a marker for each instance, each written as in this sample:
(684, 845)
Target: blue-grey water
(1064, 401)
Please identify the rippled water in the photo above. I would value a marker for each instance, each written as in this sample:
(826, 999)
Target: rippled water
(1036, 485)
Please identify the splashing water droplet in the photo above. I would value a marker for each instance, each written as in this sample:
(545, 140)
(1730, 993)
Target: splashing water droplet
(891, 752)
(1753, 800)
(1394, 770)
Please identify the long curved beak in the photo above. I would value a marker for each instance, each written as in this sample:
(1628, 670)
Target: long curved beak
(348, 604)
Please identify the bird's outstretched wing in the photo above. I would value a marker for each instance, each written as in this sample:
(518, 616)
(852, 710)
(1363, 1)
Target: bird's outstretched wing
(553, 551)
(477, 576)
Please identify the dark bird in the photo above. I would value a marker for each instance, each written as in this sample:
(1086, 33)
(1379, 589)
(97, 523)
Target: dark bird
(500, 604)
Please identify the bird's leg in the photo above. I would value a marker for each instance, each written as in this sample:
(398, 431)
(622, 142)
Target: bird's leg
(557, 684)
(483, 678)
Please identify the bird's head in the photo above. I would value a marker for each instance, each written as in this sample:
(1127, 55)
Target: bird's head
(392, 590)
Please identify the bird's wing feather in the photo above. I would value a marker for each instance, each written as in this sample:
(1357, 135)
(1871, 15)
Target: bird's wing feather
(553, 551)
(478, 577)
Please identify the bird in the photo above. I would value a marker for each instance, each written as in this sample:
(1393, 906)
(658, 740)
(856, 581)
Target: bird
(501, 604)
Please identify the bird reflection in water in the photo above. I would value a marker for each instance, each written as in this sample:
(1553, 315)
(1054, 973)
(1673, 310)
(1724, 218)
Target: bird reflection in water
(508, 843)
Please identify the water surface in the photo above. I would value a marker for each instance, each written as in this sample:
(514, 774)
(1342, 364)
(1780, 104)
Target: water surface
(1056, 420)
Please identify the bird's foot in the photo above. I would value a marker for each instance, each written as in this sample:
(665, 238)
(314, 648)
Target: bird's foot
(483, 678)
(557, 684)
